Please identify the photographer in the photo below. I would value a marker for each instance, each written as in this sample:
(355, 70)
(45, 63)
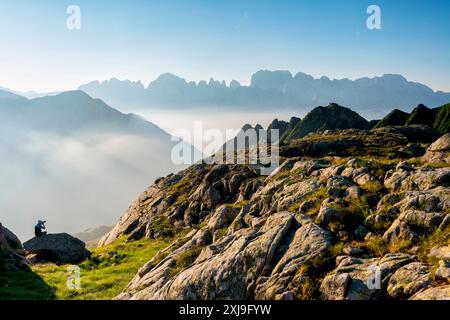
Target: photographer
(39, 227)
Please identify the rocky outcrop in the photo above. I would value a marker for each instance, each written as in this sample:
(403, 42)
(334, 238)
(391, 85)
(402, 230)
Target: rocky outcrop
(394, 142)
(361, 279)
(226, 270)
(417, 179)
(437, 293)
(11, 239)
(59, 248)
(316, 228)
(440, 252)
(11, 257)
(185, 199)
(306, 253)
(409, 215)
(409, 279)
(443, 271)
(439, 151)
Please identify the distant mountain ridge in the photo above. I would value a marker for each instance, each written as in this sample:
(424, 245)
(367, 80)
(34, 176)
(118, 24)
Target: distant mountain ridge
(371, 97)
(72, 112)
(30, 94)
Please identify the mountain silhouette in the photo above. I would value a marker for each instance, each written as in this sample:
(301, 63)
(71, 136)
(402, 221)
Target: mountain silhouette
(331, 117)
(371, 97)
(437, 118)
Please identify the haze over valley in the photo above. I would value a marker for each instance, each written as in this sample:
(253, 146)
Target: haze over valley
(67, 147)
(74, 161)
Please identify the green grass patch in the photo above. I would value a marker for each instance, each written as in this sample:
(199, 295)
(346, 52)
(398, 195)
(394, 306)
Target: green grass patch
(103, 276)
(426, 242)
(281, 175)
(376, 245)
(184, 260)
(337, 249)
(23, 285)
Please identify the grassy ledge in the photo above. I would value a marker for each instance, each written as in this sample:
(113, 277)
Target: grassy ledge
(103, 276)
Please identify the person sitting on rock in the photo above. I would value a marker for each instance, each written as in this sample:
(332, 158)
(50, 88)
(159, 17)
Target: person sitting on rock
(39, 227)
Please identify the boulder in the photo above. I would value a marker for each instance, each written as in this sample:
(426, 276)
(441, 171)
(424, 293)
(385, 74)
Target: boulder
(12, 239)
(408, 280)
(294, 193)
(223, 217)
(435, 293)
(353, 193)
(421, 180)
(10, 257)
(330, 172)
(445, 222)
(309, 246)
(4, 244)
(442, 252)
(443, 270)
(337, 184)
(413, 133)
(411, 224)
(439, 151)
(354, 252)
(411, 213)
(59, 248)
(361, 279)
(331, 212)
(359, 175)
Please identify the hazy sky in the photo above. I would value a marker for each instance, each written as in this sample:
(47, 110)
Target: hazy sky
(230, 39)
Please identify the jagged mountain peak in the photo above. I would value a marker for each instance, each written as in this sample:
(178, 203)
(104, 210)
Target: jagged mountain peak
(371, 97)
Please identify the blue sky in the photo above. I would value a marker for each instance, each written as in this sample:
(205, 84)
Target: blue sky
(199, 39)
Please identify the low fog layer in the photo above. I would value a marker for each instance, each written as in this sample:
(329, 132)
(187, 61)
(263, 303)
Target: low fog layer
(74, 162)
(72, 183)
(220, 119)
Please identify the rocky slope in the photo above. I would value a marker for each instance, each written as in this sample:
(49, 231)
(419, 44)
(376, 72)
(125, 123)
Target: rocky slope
(11, 251)
(349, 214)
